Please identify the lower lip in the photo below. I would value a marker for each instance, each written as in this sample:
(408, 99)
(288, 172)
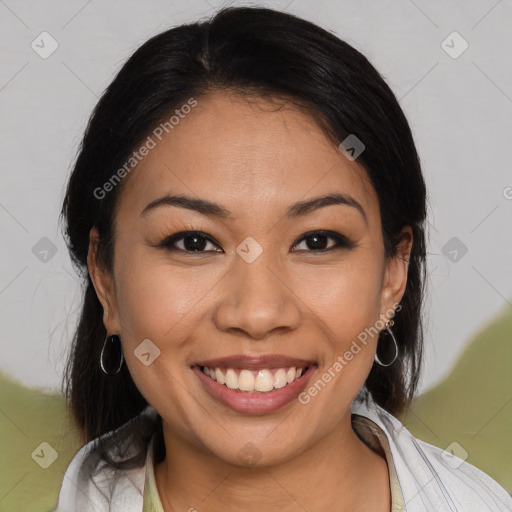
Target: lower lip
(254, 403)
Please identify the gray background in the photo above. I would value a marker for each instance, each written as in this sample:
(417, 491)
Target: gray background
(459, 108)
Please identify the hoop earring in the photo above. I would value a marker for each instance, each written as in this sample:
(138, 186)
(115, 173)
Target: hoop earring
(388, 330)
(114, 358)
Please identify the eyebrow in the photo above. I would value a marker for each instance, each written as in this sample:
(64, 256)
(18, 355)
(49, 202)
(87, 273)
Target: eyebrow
(212, 209)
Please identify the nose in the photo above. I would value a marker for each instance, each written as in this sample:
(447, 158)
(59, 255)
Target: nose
(257, 299)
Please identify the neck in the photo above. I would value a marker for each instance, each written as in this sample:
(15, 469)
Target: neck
(338, 473)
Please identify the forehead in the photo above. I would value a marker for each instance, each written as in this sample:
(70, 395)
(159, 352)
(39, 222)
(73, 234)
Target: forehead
(248, 153)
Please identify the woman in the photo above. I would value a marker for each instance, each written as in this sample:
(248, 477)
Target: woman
(225, 359)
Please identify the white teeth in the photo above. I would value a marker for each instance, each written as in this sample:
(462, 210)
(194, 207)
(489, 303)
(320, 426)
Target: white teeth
(219, 376)
(280, 379)
(231, 379)
(245, 381)
(264, 381)
(250, 380)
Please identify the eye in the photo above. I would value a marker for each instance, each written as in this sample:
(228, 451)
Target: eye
(318, 241)
(197, 241)
(193, 241)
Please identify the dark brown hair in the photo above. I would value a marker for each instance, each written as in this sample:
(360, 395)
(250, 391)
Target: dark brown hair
(251, 51)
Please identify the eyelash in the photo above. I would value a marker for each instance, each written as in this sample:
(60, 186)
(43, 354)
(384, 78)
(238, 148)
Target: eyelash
(341, 241)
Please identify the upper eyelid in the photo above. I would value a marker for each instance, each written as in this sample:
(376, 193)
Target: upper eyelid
(180, 235)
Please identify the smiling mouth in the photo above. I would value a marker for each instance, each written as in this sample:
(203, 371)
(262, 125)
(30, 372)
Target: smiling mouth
(262, 380)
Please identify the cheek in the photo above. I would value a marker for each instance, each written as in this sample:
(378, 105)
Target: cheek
(347, 302)
(346, 296)
(147, 304)
(153, 302)
(153, 296)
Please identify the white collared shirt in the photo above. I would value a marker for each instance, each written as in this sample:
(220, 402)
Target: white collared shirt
(423, 477)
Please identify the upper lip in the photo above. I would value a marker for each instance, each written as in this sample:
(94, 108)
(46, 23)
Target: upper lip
(256, 362)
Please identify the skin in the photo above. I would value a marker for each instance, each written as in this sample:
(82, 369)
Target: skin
(254, 158)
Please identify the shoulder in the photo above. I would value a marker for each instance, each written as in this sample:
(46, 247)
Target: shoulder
(431, 478)
(90, 484)
(464, 485)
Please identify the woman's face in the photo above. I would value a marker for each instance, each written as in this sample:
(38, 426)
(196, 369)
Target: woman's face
(254, 285)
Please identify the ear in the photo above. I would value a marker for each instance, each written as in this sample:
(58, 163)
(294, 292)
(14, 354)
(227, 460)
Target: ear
(103, 284)
(395, 274)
